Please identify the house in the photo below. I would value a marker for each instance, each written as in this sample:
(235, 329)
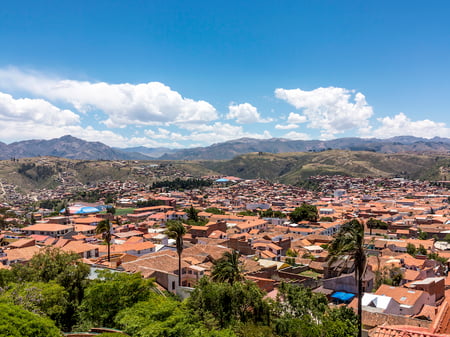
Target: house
(49, 229)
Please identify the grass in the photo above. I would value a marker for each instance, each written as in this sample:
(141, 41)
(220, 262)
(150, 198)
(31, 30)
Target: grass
(123, 211)
(310, 274)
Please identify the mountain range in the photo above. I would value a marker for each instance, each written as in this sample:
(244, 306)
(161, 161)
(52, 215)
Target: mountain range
(75, 148)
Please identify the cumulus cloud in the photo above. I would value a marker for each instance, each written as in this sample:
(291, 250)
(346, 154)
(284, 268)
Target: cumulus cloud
(331, 110)
(245, 114)
(204, 133)
(296, 136)
(150, 103)
(37, 111)
(296, 118)
(401, 125)
(286, 126)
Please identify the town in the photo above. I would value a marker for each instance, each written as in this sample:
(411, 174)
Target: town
(282, 234)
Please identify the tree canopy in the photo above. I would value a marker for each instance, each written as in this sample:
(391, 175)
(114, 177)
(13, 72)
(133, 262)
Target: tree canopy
(304, 212)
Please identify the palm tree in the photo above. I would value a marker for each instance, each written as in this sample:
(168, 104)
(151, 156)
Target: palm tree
(349, 242)
(228, 268)
(104, 227)
(176, 230)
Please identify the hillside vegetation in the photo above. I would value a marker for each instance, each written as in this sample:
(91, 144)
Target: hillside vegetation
(292, 167)
(49, 172)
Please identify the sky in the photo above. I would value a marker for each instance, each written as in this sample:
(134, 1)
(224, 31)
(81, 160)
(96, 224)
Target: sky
(192, 73)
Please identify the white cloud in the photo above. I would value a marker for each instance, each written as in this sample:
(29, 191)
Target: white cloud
(286, 127)
(332, 110)
(297, 136)
(206, 134)
(401, 125)
(245, 114)
(150, 103)
(296, 118)
(37, 111)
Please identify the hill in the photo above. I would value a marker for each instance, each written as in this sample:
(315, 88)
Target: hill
(232, 148)
(65, 147)
(291, 168)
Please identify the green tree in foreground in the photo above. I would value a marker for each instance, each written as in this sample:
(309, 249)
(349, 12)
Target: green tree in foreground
(65, 269)
(44, 299)
(304, 212)
(298, 312)
(161, 316)
(111, 293)
(349, 242)
(17, 322)
(176, 230)
(224, 305)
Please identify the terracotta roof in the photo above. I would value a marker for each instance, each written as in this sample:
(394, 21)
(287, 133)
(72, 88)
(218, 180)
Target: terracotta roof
(404, 331)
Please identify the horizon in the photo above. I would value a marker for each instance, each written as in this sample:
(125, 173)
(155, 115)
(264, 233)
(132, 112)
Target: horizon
(232, 140)
(184, 75)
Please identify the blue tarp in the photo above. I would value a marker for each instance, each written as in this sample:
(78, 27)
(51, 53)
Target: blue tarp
(342, 296)
(222, 180)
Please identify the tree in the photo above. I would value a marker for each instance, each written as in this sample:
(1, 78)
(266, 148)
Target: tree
(228, 268)
(301, 313)
(192, 213)
(226, 305)
(176, 230)
(411, 249)
(110, 293)
(66, 269)
(349, 241)
(104, 227)
(304, 212)
(111, 210)
(18, 322)
(161, 316)
(214, 210)
(44, 299)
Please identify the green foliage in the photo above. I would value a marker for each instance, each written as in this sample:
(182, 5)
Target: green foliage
(192, 213)
(271, 214)
(299, 312)
(104, 227)
(376, 224)
(65, 269)
(309, 184)
(111, 293)
(17, 322)
(182, 184)
(349, 242)
(421, 250)
(248, 213)
(326, 219)
(422, 235)
(411, 249)
(304, 212)
(149, 203)
(44, 299)
(225, 305)
(6, 276)
(291, 252)
(214, 210)
(176, 230)
(36, 172)
(436, 257)
(163, 317)
(228, 268)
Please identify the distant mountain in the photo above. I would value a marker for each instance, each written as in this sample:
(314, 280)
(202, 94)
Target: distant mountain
(66, 147)
(230, 149)
(154, 152)
(75, 148)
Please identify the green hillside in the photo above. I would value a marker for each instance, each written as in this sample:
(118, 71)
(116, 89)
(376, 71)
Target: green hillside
(292, 167)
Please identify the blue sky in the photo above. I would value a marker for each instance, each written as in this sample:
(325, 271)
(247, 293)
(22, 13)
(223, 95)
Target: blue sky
(182, 74)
